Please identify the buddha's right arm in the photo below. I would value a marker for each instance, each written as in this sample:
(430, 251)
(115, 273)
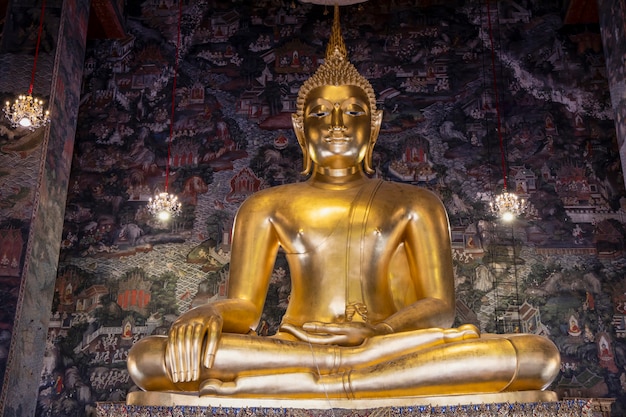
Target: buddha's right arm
(253, 253)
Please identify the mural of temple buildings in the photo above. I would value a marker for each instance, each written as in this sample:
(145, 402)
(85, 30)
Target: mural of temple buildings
(463, 85)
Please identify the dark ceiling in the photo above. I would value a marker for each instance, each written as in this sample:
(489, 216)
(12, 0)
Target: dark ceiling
(106, 18)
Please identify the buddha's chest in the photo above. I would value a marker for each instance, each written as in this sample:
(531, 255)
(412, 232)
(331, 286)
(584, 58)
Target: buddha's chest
(335, 229)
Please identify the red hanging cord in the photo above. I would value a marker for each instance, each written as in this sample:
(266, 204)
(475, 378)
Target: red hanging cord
(495, 90)
(32, 75)
(169, 142)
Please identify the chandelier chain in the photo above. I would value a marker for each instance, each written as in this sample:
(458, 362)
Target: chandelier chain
(39, 31)
(166, 205)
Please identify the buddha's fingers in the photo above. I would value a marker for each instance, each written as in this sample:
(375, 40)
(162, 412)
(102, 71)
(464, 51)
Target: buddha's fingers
(187, 352)
(214, 330)
(320, 327)
(196, 337)
(182, 348)
(172, 355)
(182, 354)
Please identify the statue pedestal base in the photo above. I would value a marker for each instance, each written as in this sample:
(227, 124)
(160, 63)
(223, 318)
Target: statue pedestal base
(515, 404)
(173, 399)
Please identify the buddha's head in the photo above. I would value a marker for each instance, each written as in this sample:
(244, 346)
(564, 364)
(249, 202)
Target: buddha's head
(336, 120)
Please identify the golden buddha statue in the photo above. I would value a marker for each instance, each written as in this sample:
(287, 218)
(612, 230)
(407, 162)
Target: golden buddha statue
(372, 297)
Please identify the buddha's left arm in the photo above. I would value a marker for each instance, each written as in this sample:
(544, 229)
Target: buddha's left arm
(429, 253)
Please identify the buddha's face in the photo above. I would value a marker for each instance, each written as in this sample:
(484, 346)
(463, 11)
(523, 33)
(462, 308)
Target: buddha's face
(337, 125)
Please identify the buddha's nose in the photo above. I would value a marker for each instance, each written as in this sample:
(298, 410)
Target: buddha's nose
(337, 118)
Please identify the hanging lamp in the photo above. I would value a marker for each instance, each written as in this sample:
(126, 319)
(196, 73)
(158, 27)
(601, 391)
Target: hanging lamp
(28, 111)
(505, 205)
(164, 205)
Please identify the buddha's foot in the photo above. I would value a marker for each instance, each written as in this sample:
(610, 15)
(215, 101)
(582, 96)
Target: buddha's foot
(290, 384)
(463, 332)
(213, 387)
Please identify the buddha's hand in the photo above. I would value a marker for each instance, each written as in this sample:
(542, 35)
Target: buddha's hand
(185, 355)
(342, 334)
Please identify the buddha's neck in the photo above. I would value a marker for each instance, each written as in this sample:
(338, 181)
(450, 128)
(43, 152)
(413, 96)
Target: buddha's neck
(341, 178)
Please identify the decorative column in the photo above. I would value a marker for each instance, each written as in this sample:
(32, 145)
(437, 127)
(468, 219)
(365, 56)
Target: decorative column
(613, 29)
(40, 220)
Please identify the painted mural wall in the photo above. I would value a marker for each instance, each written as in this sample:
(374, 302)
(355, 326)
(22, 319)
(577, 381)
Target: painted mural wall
(558, 271)
(34, 170)
(20, 155)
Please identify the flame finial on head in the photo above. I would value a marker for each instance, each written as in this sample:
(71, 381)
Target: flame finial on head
(336, 45)
(336, 69)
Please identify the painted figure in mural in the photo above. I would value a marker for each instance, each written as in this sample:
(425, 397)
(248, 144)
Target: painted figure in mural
(372, 296)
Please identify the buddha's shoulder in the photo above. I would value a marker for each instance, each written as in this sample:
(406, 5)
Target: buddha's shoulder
(272, 193)
(408, 191)
(410, 199)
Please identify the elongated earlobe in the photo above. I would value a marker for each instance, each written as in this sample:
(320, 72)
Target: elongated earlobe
(377, 118)
(298, 128)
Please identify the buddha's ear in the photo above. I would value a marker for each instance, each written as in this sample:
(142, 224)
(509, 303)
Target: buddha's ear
(298, 128)
(377, 119)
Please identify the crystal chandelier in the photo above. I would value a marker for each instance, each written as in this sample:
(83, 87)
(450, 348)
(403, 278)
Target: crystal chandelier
(164, 206)
(27, 111)
(506, 205)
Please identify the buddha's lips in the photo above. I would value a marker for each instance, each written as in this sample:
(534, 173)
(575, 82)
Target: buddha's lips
(337, 139)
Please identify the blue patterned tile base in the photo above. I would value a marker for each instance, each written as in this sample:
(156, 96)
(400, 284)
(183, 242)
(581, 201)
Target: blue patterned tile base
(548, 409)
